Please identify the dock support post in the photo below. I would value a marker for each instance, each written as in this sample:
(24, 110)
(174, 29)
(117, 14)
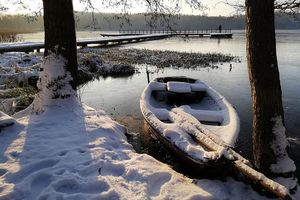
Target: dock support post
(147, 72)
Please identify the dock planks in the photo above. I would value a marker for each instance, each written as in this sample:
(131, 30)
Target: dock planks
(121, 38)
(37, 46)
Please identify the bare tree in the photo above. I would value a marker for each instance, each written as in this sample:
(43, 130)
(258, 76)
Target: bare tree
(291, 7)
(2, 8)
(156, 12)
(288, 6)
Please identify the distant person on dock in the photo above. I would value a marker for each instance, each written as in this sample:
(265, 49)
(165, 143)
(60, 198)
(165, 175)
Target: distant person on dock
(220, 28)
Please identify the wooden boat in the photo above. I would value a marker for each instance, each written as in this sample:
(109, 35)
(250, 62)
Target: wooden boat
(182, 111)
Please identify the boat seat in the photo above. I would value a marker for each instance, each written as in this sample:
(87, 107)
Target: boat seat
(205, 115)
(179, 87)
(198, 87)
(157, 86)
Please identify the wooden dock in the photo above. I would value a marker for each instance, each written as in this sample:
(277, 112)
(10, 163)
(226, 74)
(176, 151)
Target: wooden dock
(37, 46)
(212, 33)
(123, 37)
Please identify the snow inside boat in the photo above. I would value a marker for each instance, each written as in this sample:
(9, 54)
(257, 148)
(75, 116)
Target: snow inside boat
(179, 109)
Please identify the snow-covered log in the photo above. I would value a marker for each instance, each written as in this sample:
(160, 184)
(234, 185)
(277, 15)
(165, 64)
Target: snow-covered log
(213, 143)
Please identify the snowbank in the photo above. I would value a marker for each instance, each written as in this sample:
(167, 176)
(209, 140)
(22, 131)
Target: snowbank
(74, 152)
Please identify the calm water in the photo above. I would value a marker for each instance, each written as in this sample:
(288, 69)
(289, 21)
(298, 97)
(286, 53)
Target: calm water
(120, 96)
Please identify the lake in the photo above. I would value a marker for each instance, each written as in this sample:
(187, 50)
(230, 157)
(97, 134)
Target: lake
(119, 97)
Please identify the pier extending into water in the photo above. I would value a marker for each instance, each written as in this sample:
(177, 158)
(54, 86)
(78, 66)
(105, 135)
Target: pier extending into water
(212, 33)
(103, 41)
(123, 37)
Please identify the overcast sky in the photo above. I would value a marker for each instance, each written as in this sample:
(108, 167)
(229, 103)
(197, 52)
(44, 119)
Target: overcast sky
(215, 7)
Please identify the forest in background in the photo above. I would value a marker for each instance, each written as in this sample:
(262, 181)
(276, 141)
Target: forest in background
(113, 22)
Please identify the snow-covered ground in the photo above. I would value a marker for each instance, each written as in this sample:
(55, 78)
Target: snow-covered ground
(72, 151)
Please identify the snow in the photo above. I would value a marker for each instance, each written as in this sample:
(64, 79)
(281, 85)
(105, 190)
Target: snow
(290, 182)
(5, 120)
(18, 59)
(53, 83)
(179, 87)
(18, 66)
(205, 115)
(184, 121)
(268, 183)
(71, 151)
(279, 144)
(198, 87)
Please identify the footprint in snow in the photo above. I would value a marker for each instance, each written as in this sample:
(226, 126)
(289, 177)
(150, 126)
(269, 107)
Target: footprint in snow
(71, 186)
(32, 168)
(87, 163)
(63, 153)
(156, 182)
(112, 170)
(38, 184)
(2, 172)
(14, 154)
(81, 151)
(60, 172)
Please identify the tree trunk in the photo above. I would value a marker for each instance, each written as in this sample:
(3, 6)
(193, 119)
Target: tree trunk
(264, 80)
(60, 36)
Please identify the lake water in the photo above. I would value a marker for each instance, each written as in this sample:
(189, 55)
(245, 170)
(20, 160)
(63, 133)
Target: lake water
(119, 97)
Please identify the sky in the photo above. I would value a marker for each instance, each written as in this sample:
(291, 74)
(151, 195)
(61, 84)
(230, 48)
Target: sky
(214, 7)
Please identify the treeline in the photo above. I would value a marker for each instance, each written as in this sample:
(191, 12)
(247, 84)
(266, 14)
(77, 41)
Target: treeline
(112, 22)
(20, 24)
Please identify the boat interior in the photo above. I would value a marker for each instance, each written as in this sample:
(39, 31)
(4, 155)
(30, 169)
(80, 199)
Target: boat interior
(196, 101)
